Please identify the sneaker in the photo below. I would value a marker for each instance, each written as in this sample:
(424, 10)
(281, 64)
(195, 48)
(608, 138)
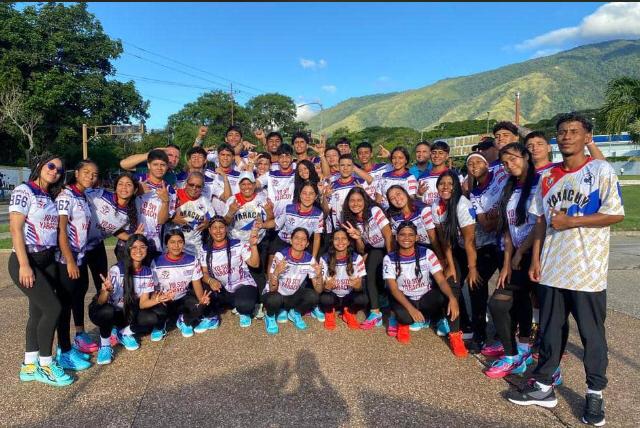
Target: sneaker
(403, 336)
(71, 361)
(258, 312)
(475, 346)
(113, 339)
(557, 378)
(330, 320)
(350, 319)
(373, 320)
(525, 354)
(158, 334)
(28, 372)
(78, 353)
(495, 351)
(392, 328)
(297, 320)
(457, 345)
(245, 321)
(504, 366)
(442, 328)
(186, 330)
(271, 324)
(282, 317)
(129, 341)
(207, 324)
(52, 374)
(105, 355)
(594, 410)
(416, 326)
(533, 395)
(317, 314)
(84, 343)
(234, 311)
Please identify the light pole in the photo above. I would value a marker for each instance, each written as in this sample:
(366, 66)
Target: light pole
(488, 122)
(321, 110)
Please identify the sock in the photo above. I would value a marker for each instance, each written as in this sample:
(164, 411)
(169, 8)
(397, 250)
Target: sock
(543, 387)
(536, 316)
(126, 331)
(45, 361)
(105, 341)
(591, 391)
(523, 348)
(30, 357)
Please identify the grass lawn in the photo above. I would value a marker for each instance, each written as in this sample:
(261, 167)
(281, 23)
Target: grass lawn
(631, 197)
(628, 177)
(6, 243)
(4, 228)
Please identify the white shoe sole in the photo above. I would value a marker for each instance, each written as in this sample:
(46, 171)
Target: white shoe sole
(103, 363)
(547, 404)
(599, 424)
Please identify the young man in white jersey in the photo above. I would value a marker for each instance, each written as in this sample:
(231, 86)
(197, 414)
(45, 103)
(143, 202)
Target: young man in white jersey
(137, 163)
(341, 186)
(364, 151)
(575, 203)
(281, 183)
(427, 190)
(223, 181)
(196, 161)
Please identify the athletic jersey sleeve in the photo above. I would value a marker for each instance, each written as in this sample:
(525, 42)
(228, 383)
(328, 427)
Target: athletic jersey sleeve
(434, 263)
(379, 217)
(173, 200)
(63, 203)
(197, 270)
(537, 205)
(245, 251)
(466, 214)
(427, 218)
(610, 193)
(325, 269)
(21, 199)
(276, 258)
(359, 269)
(388, 268)
(311, 271)
(412, 186)
(475, 202)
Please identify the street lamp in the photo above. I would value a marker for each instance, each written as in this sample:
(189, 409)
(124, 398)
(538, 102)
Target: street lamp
(321, 110)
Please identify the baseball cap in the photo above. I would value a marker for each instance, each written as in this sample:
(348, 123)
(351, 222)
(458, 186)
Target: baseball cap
(485, 144)
(246, 175)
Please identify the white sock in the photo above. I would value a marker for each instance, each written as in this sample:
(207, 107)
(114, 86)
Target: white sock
(126, 331)
(45, 361)
(543, 387)
(30, 357)
(536, 316)
(105, 341)
(591, 391)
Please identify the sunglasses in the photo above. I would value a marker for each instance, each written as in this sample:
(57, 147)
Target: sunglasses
(195, 186)
(51, 166)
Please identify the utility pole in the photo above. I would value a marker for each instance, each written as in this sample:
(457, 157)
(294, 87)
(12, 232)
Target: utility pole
(114, 130)
(231, 94)
(517, 108)
(488, 113)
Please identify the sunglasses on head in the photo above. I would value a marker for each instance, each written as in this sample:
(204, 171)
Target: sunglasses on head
(51, 166)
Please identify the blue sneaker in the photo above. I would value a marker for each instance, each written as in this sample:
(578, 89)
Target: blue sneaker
(271, 324)
(525, 353)
(128, 341)
(373, 320)
(442, 328)
(245, 321)
(297, 320)
(52, 374)
(521, 367)
(186, 330)
(78, 353)
(207, 324)
(69, 360)
(282, 317)
(158, 334)
(417, 326)
(317, 314)
(105, 355)
(28, 372)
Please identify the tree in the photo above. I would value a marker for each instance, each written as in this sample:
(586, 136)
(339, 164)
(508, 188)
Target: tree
(621, 110)
(272, 111)
(15, 116)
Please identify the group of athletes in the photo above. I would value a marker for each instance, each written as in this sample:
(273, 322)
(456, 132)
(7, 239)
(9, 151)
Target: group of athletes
(324, 230)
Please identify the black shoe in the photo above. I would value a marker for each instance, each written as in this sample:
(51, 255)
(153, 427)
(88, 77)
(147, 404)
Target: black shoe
(474, 346)
(594, 410)
(532, 394)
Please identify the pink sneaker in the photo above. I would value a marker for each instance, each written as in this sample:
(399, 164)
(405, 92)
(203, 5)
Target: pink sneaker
(504, 366)
(85, 344)
(496, 350)
(373, 320)
(392, 329)
(113, 339)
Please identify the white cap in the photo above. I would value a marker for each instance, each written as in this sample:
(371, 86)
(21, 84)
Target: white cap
(247, 175)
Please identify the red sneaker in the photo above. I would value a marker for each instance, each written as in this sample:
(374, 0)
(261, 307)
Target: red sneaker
(330, 320)
(350, 319)
(403, 336)
(457, 344)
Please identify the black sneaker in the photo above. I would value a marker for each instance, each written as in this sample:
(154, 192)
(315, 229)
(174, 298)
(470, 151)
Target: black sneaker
(532, 394)
(594, 410)
(475, 346)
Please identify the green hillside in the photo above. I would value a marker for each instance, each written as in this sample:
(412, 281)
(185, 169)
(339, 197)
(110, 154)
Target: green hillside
(569, 80)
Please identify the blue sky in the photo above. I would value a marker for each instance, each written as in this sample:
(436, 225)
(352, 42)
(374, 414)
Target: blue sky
(329, 52)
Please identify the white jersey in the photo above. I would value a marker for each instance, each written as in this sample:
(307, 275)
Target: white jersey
(421, 217)
(343, 283)
(73, 204)
(411, 285)
(486, 200)
(372, 233)
(40, 228)
(214, 183)
(245, 217)
(107, 217)
(519, 233)
(143, 282)
(312, 221)
(464, 211)
(375, 172)
(181, 182)
(577, 258)
(296, 272)
(339, 191)
(196, 212)
(388, 179)
(429, 180)
(175, 275)
(229, 268)
(280, 189)
(148, 206)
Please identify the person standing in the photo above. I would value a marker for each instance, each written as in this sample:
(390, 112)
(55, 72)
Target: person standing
(423, 163)
(575, 203)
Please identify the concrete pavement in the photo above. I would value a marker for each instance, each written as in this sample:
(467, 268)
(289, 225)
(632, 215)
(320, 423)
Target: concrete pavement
(242, 377)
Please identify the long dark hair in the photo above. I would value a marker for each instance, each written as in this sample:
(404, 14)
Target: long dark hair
(404, 224)
(38, 163)
(450, 225)
(313, 175)
(130, 298)
(132, 212)
(207, 241)
(71, 179)
(391, 211)
(349, 216)
(521, 208)
(333, 258)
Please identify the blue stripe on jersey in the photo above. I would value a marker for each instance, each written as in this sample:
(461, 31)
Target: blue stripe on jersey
(293, 210)
(591, 207)
(185, 260)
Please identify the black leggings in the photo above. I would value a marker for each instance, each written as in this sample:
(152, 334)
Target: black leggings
(259, 274)
(302, 301)
(511, 307)
(433, 306)
(354, 301)
(44, 307)
(71, 294)
(97, 263)
(244, 300)
(107, 316)
(187, 306)
(487, 264)
(375, 283)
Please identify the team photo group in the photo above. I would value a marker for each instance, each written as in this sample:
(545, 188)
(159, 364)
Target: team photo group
(347, 235)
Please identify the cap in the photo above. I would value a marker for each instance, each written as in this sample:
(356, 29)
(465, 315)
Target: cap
(485, 144)
(246, 175)
(476, 155)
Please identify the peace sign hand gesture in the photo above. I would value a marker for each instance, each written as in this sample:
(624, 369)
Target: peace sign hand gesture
(106, 284)
(206, 298)
(353, 232)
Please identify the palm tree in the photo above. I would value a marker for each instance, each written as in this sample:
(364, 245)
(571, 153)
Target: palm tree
(621, 110)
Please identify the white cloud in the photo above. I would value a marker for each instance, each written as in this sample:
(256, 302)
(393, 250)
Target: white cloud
(611, 21)
(329, 88)
(312, 64)
(383, 78)
(305, 112)
(545, 52)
